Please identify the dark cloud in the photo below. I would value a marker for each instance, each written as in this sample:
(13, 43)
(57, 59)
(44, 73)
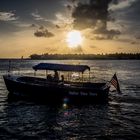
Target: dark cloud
(132, 12)
(42, 32)
(57, 26)
(106, 34)
(87, 15)
(134, 42)
(33, 25)
(95, 15)
(128, 17)
(69, 7)
(41, 27)
(137, 37)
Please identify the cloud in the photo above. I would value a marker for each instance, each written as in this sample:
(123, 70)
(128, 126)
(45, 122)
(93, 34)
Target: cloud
(42, 20)
(7, 16)
(137, 37)
(7, 27)
(134, 42)
(62, 18)
(33, 25)
(121, 4)
(42, 32)
(93, 46)
(69, 7)
(57, 26)
(95, 14)
(76, 49)
(127, 15)
(106, 34)
(37, 16)
(86, 15)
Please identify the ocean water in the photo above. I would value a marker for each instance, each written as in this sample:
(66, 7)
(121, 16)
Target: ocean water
(118, 119)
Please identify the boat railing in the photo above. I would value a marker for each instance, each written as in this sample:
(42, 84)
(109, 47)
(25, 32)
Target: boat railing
(41, 78)
(68, 76)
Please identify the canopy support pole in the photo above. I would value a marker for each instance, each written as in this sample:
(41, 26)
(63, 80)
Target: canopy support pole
(9, 67)
(89, 75)
(46, 74)
(82, 77)
(34, 73)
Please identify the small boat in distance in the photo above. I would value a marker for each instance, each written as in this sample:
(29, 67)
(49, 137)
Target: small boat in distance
(54, 89)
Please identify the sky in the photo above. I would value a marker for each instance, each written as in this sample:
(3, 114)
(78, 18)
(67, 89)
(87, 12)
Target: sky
(42, 26)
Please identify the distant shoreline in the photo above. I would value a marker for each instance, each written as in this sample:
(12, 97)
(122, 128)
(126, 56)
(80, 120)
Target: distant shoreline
(18, 59)
(116, 56)
(4, 59)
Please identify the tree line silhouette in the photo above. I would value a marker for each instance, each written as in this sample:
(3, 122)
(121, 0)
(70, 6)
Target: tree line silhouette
(117, 56)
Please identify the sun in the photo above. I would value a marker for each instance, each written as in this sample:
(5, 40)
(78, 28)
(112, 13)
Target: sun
(74, 38)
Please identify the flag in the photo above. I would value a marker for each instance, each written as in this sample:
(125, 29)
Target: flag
(115, 83)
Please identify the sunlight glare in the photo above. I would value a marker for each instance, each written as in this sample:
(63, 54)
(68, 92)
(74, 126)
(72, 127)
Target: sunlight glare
(74, 38)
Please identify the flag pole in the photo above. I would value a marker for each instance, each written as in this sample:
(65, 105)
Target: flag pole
(114, 81)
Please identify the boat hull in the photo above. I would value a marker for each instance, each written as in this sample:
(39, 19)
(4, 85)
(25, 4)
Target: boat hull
(54, 93)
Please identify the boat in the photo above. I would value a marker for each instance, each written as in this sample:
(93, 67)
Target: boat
(54, 90)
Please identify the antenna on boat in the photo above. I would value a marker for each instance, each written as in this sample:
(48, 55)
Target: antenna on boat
(34, 72)
(46, 74)
(21, 60)
(89, 75)
(9, 67)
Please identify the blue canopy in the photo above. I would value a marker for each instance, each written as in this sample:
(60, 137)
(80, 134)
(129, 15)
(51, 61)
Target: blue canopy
(61, 67)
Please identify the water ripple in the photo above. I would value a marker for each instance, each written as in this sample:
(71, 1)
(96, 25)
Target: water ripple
(119, 119)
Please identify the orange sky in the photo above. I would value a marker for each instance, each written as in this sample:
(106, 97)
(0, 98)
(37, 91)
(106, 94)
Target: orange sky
(25, 44)
(21, 35)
